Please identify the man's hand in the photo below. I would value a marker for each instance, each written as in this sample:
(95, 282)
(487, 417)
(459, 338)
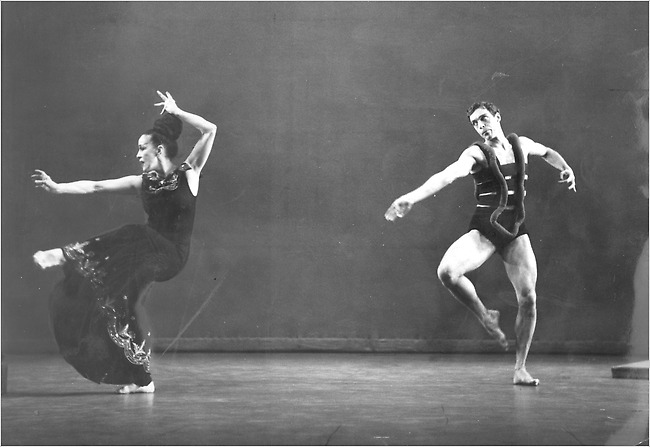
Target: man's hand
(399, 208)
(567, 176)
(42, 180)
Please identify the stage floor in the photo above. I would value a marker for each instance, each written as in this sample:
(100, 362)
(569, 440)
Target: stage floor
(330, 399)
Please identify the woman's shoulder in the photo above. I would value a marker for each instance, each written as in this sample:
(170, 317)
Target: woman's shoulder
(192, 177)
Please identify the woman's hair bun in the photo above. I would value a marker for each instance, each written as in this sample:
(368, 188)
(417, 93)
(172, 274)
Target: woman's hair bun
(169, 126)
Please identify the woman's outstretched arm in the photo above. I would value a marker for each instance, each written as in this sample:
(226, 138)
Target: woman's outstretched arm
(201, 151)
(130, 184)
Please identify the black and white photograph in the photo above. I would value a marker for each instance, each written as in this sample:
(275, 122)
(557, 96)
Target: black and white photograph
(324, 223)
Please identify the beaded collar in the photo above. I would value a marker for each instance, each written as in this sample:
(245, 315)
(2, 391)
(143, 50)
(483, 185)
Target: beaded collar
(155, 182)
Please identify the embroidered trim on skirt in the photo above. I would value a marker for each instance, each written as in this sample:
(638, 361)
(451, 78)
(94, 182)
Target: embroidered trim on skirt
(95, 312)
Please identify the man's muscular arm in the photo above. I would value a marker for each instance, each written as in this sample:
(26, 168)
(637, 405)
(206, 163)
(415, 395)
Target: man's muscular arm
(551, 157)
(458, 169)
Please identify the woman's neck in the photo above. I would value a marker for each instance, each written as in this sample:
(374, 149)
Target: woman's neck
(165, 167)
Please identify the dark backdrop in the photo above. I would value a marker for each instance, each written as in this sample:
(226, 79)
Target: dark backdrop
(326, 113)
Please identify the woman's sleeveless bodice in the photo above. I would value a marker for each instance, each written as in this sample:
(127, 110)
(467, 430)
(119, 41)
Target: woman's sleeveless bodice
(170, 206)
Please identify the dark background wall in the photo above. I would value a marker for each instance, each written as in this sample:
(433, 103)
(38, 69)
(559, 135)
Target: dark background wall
(326, 113)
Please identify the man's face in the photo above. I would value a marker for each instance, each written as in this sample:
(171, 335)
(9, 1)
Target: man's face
(485, 124)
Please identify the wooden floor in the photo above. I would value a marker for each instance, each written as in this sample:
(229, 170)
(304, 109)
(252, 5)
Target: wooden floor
(329, 399)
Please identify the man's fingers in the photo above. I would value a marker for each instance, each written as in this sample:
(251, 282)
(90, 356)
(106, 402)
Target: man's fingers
(391, 213)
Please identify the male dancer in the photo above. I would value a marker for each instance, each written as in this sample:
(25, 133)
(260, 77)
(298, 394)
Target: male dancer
(498, 165)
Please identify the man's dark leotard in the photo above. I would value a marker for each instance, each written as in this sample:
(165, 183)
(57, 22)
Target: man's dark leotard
(488, 191)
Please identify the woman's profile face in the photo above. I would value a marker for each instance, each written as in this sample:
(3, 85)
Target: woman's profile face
(147, 154)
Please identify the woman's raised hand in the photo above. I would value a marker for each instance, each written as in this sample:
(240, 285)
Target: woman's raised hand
(42, 180)
(168, 104)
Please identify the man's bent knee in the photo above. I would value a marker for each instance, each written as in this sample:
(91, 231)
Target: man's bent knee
(447, 276)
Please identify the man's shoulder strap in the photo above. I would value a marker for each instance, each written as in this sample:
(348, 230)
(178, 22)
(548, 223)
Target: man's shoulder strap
(486, 149)
(513, 138)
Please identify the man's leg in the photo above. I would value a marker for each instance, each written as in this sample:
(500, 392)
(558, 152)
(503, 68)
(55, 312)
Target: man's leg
(521, 267)
(468, 253)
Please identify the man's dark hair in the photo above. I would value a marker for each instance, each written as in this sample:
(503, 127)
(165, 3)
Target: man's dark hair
(490, 107)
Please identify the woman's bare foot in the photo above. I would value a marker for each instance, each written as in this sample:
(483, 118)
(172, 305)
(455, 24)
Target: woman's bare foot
(49, 258)
(491, 324)
(523, 378)
(133, 388)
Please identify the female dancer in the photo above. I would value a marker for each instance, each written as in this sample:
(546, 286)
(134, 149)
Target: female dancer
(93, 309)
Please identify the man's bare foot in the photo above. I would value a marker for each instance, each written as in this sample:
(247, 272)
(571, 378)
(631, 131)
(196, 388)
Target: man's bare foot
(491, 324)
(133, 388)
(523, 378)
(49, 258)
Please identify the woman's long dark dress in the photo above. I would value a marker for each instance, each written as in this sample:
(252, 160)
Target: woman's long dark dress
(93, 309)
